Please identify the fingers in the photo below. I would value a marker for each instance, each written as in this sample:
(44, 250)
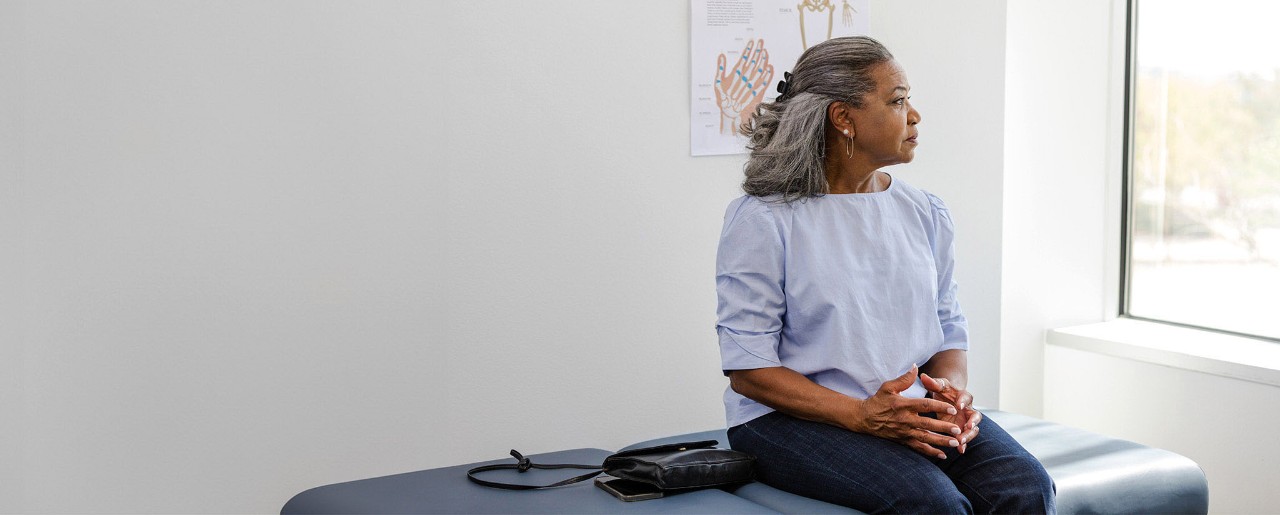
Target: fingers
(720, 73)
(935, 439)
(925, 449)
(749, 75)
(763, 77)
(759, 88)
(740, 69)
(934, 385)
(929, 443)
(754, 67)
(901, 383)
(720, 78)
(764, 57)
(943, 389)
(946, 430)
(897, 416)
(746, 50)
(968, 437)
(926, 405)
(751, 90)
(764, 83)
(968, 418)
(974, 418)
(756, 82)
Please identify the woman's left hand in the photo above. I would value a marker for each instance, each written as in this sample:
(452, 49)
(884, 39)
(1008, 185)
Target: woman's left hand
(966, 417)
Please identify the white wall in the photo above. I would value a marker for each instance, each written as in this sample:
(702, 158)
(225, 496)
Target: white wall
(1061, 202)
(1060, 178)
(260, 247)
(11, 297)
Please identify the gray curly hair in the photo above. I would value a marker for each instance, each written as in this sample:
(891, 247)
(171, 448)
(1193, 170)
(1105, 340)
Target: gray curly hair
(788, 136)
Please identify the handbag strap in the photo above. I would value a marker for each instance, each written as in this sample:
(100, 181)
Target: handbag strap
(523, 466)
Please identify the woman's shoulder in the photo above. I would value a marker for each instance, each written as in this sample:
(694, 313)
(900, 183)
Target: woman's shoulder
(929, 206)
(921, 197)
(753, 214)
(751, 205)
(938, 207)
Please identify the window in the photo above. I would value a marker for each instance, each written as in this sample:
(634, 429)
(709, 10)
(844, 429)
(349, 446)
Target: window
(1203, 165)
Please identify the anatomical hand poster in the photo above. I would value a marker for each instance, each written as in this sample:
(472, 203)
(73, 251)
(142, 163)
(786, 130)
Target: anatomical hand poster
(738, 52)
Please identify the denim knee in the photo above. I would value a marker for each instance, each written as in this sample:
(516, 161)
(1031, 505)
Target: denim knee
(943, 499)
(1037, 496)
(1031, 491)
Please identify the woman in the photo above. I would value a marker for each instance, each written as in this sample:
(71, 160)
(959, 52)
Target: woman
(838, 321)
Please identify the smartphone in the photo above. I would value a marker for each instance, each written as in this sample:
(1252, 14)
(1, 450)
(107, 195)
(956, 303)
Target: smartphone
(628, 490)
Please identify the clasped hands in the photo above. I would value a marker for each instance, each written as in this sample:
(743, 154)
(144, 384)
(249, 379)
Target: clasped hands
(889, 415)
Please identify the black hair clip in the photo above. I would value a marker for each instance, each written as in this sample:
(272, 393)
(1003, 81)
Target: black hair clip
(784, 85)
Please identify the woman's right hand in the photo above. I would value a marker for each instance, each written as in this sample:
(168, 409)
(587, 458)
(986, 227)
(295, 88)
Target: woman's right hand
(889, 415)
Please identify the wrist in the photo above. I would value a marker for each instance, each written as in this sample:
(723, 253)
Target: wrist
(728, 122)
(858, 411)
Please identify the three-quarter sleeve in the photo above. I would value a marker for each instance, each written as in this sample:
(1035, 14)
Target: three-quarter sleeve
(955, 328)
(749, 286)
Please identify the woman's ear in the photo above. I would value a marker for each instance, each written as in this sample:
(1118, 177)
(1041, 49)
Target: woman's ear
(840, 115)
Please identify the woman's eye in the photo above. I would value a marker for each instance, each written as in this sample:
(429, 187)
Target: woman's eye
(900, 101)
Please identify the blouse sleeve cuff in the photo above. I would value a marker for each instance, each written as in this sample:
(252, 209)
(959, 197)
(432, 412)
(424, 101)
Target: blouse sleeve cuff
(955, 337)
(745, 351)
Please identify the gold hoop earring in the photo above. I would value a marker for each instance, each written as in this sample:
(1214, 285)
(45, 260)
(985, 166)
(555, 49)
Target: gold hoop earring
(849, 147)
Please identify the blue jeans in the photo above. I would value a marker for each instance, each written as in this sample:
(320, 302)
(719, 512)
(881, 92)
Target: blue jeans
(874, 475)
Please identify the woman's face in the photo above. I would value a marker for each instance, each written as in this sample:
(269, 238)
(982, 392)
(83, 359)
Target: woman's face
(885, 126)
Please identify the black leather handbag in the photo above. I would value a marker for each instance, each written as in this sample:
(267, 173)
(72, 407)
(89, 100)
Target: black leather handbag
(677, 466)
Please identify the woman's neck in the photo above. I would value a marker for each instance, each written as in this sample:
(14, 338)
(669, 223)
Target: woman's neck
(843, 180)
(851, 173)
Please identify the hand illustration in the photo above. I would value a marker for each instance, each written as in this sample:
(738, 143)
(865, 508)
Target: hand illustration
(739, 91)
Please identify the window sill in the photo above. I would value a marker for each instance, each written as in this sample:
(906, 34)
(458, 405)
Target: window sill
(1178, 347)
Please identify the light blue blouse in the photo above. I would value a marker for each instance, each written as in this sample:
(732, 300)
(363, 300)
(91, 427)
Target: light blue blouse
(848, 289)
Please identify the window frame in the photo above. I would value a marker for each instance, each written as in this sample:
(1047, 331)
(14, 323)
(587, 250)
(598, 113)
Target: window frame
(1127, 187)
